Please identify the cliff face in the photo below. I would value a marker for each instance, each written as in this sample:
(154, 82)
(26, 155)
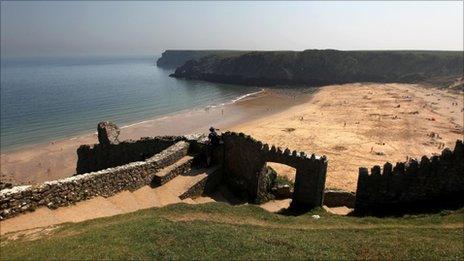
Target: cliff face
(171, 59)
(320, 67)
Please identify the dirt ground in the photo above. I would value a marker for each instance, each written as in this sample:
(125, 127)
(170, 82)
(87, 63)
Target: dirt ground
(361, 125)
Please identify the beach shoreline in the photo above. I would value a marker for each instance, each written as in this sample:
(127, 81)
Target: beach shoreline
(251, 95)
(57, 159)
(353, 125)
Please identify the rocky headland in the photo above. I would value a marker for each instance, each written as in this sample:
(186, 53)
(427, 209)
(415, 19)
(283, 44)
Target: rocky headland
(171, 59)
(323, 67)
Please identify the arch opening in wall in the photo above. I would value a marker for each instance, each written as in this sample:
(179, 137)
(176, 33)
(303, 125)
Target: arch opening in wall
(284, 181)
(284, 171)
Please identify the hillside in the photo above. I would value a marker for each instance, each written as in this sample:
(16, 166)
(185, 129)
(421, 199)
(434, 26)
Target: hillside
(171, 59)
(322, 67)
(217, 230)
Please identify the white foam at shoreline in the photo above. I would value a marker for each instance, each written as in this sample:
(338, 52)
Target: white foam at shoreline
(247, 95)
(233, 101)
(207, 107)
(192, 110)
(137, 123)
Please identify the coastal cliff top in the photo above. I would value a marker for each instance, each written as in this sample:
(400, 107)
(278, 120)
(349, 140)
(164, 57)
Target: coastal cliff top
(323, 67)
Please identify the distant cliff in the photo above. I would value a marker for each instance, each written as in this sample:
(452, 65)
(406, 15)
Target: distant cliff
(176, 58)
(321, 67)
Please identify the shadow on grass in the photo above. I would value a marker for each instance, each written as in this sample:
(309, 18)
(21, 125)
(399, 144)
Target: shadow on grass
(293, 211)
(298, 210)
(401, 212)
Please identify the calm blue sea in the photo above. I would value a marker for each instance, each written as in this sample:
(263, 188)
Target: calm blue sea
(44, 99)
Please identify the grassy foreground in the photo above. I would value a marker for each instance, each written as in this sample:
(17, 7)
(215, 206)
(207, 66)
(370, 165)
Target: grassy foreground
(219, 231)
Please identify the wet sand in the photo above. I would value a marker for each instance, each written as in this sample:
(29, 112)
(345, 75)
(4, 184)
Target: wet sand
(55, 160)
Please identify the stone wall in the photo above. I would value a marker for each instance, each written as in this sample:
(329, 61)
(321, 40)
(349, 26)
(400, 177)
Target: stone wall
(104, 183)
(102, 156)
(245, 158)
(431, 184)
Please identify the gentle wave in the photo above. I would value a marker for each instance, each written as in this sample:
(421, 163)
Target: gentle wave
(135, 124)
(239, 98)
(42, 103)
(247, 95)
(233, 101)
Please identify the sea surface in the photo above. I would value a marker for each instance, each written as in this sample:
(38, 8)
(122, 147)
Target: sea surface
(44, 99)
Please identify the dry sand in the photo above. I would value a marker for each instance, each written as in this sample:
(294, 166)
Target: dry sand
(358, 125)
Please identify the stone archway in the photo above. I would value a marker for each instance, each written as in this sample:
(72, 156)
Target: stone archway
(281, 180)
(245, 158)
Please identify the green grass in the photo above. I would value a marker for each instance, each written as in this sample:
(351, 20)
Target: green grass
(219, 231)
(284, 180)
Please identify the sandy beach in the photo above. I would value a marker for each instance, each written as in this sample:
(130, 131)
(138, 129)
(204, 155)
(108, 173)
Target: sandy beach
(361, 125)
(354, 125)
(54, 160)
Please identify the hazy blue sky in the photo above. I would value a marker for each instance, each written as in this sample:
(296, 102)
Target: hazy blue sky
(69, 28)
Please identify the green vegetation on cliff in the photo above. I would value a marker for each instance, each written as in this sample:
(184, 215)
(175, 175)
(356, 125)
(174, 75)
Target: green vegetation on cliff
(321, 67)
(218, 231)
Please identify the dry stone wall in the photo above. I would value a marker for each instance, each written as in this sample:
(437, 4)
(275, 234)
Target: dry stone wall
(107, 182)
(245, 158)
(432, 183)
(106, 155)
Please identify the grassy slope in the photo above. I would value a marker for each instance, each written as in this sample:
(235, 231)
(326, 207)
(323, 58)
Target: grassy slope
(221, 231)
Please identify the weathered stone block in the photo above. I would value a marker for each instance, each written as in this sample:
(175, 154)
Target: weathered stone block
(108, 133)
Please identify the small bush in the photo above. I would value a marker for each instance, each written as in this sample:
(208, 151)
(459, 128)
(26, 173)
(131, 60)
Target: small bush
(284, 180)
